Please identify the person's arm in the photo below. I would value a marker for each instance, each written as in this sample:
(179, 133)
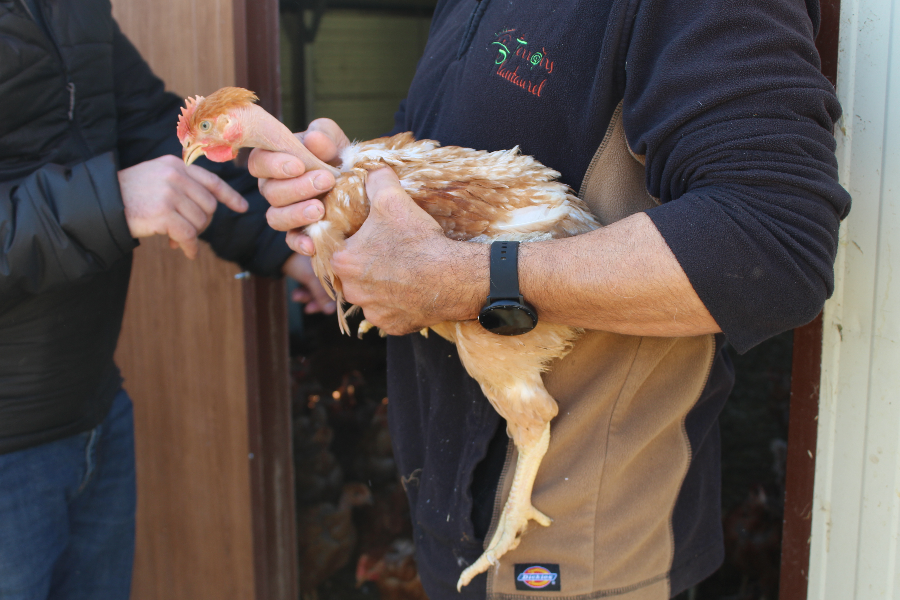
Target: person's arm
(61, 225)
(309, 292)
(406, 275)
(726, 102)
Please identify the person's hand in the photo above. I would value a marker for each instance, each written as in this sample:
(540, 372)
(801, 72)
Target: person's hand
(163, 196)
(290, 190)
(299, 268)
(402, 270)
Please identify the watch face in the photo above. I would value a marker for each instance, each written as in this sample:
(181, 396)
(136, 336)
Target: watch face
(506, 317)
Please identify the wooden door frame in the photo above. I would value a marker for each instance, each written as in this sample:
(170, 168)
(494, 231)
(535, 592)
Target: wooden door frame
(266, 333)
(806, 373)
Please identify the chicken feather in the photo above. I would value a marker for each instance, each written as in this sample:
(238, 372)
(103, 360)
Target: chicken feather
(475, 196)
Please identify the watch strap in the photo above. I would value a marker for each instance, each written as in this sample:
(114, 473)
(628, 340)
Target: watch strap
(504, 271)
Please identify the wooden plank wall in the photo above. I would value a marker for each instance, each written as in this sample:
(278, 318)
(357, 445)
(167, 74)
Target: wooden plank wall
(182, 353)
(189, 43)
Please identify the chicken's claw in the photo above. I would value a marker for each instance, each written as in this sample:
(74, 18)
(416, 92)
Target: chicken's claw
(517, 511)
(364, 328)
(508, 535)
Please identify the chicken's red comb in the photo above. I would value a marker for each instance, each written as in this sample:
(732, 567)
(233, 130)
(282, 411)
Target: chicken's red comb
(186, 112)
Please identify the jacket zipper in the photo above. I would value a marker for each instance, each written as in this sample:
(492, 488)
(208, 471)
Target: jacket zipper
(471, 27)
(74, 127)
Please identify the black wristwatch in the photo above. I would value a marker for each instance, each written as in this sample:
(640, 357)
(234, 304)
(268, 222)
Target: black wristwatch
(505, 312)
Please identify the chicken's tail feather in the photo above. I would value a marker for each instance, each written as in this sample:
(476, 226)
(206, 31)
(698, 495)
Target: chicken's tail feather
(327, 239)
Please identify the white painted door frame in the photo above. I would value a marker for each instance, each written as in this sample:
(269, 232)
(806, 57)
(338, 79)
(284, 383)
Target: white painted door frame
(856, 510)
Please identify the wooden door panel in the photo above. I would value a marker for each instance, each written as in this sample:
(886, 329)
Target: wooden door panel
(189, 43)
(204, 356)
(182, 355)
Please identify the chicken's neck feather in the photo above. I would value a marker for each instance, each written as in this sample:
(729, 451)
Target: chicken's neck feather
(261, 130)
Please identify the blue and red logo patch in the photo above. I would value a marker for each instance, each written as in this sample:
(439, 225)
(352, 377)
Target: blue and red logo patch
(537, 577)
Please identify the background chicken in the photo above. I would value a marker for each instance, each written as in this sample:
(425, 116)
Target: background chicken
(752, 532)
(394, 572)
(318, 474)
(475, 196)
(328, 537)
(341, 436)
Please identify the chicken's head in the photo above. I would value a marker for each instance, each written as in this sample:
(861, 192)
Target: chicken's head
(213, 126)
(228, 120)
(368, 569)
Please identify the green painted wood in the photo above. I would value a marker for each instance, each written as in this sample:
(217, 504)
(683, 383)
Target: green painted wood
(356, 71)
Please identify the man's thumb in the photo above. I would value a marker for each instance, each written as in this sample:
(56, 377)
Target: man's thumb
(385, 194)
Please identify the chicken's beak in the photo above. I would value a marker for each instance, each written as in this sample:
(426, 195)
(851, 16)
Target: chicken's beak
(193, 151)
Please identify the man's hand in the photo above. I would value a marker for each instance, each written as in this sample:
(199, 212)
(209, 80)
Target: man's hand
(164, 197)
(316, 299)
(402, 270)
(290, 190)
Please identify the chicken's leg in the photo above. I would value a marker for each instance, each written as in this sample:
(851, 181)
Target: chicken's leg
(509, 371)
(518, 509)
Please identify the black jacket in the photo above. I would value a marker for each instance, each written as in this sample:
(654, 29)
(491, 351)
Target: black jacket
(78, 103)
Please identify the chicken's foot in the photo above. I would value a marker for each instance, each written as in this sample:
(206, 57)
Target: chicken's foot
(364, 328)
(517, 511)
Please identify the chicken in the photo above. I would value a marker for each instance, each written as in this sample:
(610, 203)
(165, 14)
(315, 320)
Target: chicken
(394, 573)
(374, 461)
(385, 520)
(752, 533)
(475, 196)
(318, 474)
(328, 536)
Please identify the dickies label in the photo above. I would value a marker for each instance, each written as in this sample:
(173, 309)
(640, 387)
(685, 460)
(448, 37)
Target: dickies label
(537, 577)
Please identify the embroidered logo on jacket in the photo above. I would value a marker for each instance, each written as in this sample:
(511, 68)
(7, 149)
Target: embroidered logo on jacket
(522, 64)
(544, 577)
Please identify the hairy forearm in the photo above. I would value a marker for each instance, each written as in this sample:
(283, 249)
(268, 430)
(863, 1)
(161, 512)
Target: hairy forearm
(622, 278)
(406, 274)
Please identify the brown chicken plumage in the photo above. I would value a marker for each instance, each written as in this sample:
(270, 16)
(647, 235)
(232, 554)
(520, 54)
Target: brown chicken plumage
(475, 196)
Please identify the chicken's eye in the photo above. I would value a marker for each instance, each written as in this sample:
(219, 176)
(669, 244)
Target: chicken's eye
(205, 125)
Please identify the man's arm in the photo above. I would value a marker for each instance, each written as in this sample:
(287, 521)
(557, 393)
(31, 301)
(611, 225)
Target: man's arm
(310, 291)
(64, 224)
(407, 275)
(61, 225)
(622, 278)
(726, 102)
